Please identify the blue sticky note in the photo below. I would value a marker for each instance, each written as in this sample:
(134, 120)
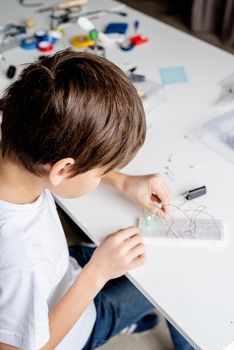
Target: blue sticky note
(173, 75)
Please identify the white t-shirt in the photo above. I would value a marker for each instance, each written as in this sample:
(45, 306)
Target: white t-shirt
(35, 272)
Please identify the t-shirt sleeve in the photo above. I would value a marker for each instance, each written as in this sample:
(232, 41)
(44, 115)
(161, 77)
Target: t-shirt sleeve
(23, 309)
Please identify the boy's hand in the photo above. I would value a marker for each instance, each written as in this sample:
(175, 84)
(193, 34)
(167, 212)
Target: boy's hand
(150, 191)
(117, 254)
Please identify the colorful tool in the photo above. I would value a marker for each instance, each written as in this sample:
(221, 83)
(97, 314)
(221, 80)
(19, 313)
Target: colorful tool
(30, 22)
(81, 41)
(45, 46)
(13, 30)
(119, 28)
(133, 41)
(126, 45)
(65, 5)
(29, 43)
(41, 35)
(138, 40)
(136, 26)
(42, 40)
(54, 36)
(93, 33)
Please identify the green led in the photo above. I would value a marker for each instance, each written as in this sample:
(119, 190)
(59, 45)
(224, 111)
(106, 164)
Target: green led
(149, 218)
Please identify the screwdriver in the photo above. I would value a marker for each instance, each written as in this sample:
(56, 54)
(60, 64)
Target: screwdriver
(64, 5)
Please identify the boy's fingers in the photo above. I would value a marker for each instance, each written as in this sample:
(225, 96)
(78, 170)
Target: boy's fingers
(156, 198)
(127, 232)
(163, 195)
(169, 194)
(137, 251)
(155, 210)
(140, 260)
(133, 241)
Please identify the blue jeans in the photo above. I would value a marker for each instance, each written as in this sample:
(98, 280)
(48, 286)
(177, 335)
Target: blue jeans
(119, 304)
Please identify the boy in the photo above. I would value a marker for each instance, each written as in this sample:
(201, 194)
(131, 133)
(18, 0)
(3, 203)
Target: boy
(68, 121)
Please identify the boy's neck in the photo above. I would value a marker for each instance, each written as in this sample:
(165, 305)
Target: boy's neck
(17, 185)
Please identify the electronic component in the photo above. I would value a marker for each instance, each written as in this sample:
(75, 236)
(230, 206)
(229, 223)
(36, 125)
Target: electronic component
(196, 192)
(136, 25)
(10, 73)
(136, 78)
(98, 50)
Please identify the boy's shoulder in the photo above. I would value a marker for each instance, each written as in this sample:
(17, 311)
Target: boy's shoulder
(29, 233)
(12, 250)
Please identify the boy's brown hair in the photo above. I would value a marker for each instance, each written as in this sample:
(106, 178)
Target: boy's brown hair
(74, 105)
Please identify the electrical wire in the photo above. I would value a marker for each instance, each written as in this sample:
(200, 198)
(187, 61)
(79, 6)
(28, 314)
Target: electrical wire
(191, 226)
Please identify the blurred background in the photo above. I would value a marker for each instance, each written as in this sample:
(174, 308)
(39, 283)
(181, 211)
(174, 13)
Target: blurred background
(209, 20)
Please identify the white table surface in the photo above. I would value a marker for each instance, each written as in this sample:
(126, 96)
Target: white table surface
(191, 284)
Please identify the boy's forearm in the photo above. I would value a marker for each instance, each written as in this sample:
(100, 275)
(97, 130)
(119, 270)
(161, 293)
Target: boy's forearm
(68, 310)
(115, 179)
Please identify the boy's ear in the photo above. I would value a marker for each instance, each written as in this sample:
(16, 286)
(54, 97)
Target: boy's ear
(59, 171)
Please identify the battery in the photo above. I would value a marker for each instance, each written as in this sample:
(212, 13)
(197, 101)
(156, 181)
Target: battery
(196, 192)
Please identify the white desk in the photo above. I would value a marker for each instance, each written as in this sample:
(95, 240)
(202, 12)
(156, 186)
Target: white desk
(193, 286)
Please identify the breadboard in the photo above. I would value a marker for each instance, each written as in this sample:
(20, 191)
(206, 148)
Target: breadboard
(180, 229)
